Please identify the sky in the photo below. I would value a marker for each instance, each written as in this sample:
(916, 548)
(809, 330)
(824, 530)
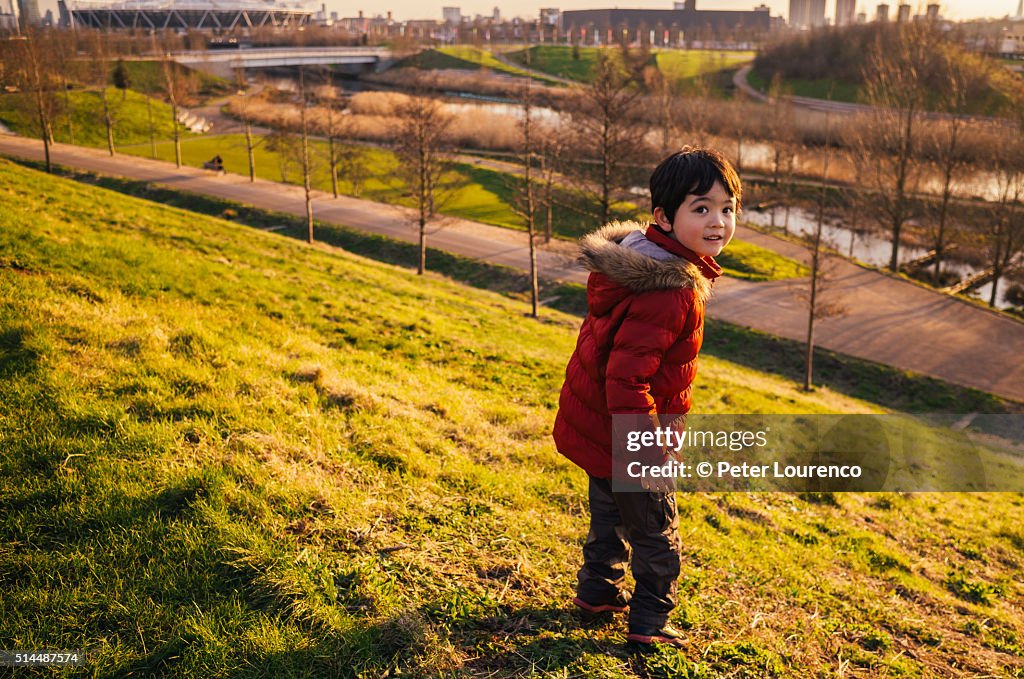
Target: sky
(417, 9)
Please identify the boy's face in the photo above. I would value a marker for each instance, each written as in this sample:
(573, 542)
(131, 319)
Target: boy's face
(704, 223)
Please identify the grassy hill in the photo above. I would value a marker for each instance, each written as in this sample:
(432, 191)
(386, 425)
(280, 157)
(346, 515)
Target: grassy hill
(223, 452)
(465, 57)
(483, 195)
(676, 65)
(81, 118)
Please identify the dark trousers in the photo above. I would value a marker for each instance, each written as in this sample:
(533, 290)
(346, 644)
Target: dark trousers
(648, 525)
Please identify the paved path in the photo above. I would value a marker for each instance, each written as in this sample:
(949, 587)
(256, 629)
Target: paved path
(889, 320)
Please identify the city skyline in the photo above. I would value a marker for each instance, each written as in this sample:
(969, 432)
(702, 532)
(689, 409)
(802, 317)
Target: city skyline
(403, 10)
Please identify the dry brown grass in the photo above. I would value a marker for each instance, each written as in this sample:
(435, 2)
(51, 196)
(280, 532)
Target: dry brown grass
(370, 116)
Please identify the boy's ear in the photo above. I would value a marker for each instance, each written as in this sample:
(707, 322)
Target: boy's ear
(661, 219)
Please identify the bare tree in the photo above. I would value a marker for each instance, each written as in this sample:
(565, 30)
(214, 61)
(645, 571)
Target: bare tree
(306, 168)
(955, 93)
(421, 124)
(32, 62)
(817, 307)
(178, 87)
(606, 128)
(663, 95)
(287, 149)
(335, 127)
(550, 153)
(778, 129)
(244, 99)
(1007, 238)
(65, 53)
(99, 75)
(526, 203)
(896, 91)
(738, 118)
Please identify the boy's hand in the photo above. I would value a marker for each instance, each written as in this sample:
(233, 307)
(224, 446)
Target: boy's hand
(659, 485)
(664, 485)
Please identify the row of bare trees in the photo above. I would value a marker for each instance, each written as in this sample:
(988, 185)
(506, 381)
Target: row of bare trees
(46, 66)
(623, 120)
(888, 152)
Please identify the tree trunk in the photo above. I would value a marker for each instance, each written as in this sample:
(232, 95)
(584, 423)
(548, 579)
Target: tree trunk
(424, 205)
(815, 266)
(152, 129)
(996, 275)
(939, 241)
(903, 168)
(305, 157)
(70, 112)
(177, 136)
(894, 257)
(334, 165)
(108, 120)
(44, 128)
(249, 151)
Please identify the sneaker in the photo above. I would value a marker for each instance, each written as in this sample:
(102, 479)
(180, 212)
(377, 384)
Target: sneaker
(641, 637)
(618, 605)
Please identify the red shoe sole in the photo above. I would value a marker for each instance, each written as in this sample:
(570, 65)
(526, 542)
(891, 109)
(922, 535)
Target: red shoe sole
(604, 608)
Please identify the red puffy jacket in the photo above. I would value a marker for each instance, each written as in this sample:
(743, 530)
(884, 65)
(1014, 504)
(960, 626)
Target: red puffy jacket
(637, 349)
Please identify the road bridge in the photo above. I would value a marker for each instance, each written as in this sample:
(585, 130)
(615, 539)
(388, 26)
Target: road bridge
(224, 62)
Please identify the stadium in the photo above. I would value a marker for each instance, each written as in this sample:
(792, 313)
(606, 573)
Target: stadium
(219, 15)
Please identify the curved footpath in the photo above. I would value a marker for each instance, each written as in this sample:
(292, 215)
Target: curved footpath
(888, 320)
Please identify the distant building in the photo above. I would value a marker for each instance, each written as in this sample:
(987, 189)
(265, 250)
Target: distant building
(451, 15)
(932, 12)
(1012, 43)
(806, 13)
(903, 14)
(549, 16)
(862, 17)
(496, 16)
(160, 14)
(8, 19)
(882, 13)
(28, 13)
(667, 26)
(816, 13)
(845, 12)
(799, 12)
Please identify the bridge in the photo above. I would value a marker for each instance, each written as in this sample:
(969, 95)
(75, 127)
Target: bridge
(224, 62)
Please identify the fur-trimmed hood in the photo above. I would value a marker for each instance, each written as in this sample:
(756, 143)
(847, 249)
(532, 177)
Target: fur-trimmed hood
(601, 251)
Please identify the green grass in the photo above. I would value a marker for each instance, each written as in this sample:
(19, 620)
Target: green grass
(354, 475)
(82, 123)
(148, 76)
(683, 65)
(676, 65)
(465, 57)
(559, 61)
(482, 195)
(821, 88)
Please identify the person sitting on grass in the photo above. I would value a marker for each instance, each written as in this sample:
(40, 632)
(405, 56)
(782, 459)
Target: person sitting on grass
(637, 355)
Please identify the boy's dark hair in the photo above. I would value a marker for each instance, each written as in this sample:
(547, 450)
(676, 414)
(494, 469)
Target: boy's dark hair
(691, 170)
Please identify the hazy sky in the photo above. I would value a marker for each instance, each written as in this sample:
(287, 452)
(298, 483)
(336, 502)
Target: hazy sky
(417, 9)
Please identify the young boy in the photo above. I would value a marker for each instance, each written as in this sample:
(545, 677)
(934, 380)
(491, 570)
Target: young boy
(637, 354)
